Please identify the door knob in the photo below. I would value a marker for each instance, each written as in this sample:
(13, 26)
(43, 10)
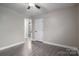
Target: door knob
(35, 31)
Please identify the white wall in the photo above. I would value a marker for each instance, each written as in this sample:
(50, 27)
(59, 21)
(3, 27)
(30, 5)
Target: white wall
(11, 27)
(60, 27)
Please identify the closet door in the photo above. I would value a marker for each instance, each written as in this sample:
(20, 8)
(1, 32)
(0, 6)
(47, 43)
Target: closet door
(39, 29)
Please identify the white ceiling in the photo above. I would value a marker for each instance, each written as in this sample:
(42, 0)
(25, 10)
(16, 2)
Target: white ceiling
(45, 7)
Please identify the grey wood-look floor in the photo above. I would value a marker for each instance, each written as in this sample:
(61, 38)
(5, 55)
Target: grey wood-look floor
(41, 49)
(36, 48)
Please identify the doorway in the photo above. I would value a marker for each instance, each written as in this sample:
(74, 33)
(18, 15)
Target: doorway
(27, 28)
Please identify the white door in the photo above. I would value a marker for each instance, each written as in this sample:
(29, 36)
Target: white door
(39, 29)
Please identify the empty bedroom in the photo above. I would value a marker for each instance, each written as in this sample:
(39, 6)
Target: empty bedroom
(39, 29)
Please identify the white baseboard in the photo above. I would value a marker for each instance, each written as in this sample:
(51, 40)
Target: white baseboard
(64, 46)
(60, 45)
(37, 40)
(10, 46)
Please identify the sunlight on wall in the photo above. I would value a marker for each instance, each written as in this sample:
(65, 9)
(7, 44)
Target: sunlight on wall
(26, 21)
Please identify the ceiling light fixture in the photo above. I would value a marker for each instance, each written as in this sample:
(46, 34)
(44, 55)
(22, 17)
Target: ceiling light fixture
(33, 5)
